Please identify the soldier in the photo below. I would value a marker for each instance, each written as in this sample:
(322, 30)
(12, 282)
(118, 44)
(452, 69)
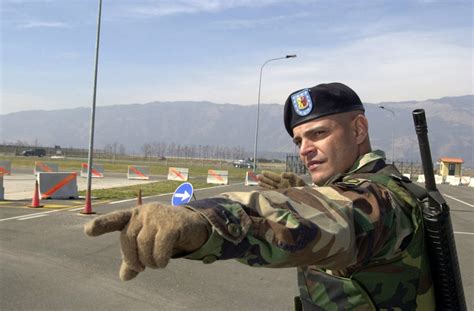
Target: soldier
(355, 236)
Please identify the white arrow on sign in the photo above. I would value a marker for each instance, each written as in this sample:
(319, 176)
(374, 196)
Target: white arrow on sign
(183, 196)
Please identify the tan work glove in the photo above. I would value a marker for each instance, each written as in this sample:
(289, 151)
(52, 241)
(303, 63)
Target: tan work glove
(151, 234)
(274, 181)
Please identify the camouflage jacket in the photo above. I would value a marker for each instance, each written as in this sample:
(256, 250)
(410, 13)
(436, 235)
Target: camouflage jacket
(357, 242)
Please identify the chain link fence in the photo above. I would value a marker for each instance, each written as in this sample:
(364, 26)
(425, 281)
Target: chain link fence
(294, 164)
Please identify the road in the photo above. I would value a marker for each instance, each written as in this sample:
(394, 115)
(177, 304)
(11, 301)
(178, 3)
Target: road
(47, 263)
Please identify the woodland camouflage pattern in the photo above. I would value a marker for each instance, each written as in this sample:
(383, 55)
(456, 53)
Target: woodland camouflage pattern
(356, 244)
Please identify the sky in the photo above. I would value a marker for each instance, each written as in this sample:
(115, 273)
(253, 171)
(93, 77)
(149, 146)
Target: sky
(213, 50)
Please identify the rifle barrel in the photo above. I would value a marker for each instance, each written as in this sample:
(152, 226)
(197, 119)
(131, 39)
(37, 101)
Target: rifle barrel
(421, 128)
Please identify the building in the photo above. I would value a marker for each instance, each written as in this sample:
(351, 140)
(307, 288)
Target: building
(450, 166)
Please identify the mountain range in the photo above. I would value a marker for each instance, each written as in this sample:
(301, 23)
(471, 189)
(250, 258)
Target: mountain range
(450, 126)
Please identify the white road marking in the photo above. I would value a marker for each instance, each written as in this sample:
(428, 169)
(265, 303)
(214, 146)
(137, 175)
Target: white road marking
(171, 193)
(468, 233)
(135, 199)
(471, 205)
(32, 217)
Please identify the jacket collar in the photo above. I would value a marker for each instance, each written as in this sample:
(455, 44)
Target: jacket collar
(367, 163)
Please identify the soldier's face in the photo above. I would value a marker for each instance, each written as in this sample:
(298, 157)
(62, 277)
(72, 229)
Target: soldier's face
(327, 146)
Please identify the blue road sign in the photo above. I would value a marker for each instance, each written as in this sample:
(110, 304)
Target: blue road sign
(182, 194)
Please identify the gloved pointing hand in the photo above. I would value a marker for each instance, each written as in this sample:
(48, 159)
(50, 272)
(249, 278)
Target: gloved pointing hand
(274, 181)
(151, 234)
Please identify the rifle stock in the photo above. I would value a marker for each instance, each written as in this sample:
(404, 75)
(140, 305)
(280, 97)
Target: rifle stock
(438, 229)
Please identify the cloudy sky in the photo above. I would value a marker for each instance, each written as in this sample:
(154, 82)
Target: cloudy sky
(168, 50)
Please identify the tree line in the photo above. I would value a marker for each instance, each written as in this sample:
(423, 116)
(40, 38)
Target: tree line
(162, 150)
(148, 151)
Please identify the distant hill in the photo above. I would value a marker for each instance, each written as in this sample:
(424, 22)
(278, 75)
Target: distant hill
(450, 121)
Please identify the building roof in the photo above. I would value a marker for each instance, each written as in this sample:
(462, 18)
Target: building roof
(451, 160)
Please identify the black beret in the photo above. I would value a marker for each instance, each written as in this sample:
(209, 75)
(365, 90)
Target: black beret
(319, 101)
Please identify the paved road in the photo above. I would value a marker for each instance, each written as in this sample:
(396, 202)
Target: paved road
(47, 263)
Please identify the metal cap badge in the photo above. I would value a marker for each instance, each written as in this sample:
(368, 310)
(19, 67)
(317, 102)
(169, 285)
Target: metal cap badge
(302, 103)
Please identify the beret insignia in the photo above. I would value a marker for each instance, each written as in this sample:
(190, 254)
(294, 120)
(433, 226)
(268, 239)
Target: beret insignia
(302, 103)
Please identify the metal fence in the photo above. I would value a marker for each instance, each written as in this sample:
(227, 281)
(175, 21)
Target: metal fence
(410, 167)
(294, 164)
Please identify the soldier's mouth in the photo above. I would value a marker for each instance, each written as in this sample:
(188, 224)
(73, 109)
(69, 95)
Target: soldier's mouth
(314, 165)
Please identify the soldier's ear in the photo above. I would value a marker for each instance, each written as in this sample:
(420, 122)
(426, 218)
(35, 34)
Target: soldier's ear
(361, 128)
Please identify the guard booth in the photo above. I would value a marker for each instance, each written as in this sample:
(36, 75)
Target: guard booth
(450, 166)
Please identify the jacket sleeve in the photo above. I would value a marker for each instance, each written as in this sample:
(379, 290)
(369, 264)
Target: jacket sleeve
(330, 227)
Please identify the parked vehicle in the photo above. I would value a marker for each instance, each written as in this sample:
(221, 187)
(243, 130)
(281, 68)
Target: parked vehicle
(242, 164)
(38, 152)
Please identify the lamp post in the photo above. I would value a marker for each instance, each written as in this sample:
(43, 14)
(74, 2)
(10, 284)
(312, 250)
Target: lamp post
(88, 206)
(258, 106)
(393, 126)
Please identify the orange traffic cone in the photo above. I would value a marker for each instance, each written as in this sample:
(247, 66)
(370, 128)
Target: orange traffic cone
(35, 202)
(88, 206)
(139, 196)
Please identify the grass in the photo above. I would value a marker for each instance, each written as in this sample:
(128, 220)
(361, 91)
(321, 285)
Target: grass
(129, 192)
(197, 168)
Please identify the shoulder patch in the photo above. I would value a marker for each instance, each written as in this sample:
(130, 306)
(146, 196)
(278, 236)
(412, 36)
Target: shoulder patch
(352, 184)
(353, 181)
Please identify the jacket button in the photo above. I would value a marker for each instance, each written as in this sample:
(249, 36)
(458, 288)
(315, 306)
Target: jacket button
(209, 259)
(234, 230)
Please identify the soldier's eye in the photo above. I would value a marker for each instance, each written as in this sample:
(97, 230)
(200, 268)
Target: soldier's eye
(318, 133)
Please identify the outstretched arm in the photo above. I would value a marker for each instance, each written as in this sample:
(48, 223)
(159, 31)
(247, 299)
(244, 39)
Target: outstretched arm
(329, 227)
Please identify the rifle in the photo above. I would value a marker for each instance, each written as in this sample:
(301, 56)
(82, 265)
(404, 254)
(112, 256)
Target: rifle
(438, 230)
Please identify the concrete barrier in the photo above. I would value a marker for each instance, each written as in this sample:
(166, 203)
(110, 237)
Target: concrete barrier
(178, 173)
(465, 180)
(251, 179)
(5, 168)
(471, 183)
(438, 179)
(217, 177)
(96, 172)
(58, 185)
(46, 167)
(453, 180)
(137, 172)
(421, 178)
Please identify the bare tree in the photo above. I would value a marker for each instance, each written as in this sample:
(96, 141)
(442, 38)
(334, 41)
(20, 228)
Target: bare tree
(122, 150)
(146, 150)
(172, 149)
(162, 150)
(20, 143)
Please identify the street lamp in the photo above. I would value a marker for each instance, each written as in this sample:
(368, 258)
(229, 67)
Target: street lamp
(88, 207)
(393, 126)
(258, 106)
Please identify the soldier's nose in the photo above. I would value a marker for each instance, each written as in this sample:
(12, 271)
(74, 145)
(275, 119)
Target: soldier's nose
(307, 150)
